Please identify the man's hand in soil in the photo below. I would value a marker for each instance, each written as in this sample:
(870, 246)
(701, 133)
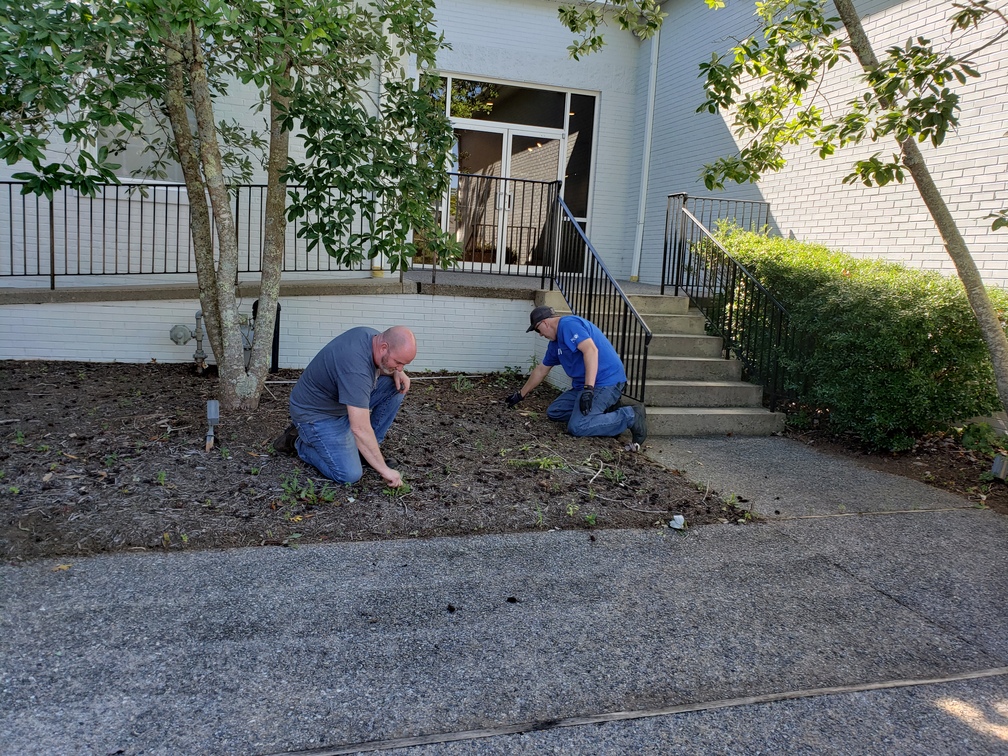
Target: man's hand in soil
(392, 477)
(512, 400)
(587, 397)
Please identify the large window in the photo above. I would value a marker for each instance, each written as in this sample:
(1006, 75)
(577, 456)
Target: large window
(517, 140)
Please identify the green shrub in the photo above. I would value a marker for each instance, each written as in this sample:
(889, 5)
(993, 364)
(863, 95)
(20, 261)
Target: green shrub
(889, 353)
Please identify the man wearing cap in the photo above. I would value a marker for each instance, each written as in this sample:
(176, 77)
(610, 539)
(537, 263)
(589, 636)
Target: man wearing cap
(596, 373)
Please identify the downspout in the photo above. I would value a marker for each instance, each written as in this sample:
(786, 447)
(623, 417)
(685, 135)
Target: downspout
(646, 156)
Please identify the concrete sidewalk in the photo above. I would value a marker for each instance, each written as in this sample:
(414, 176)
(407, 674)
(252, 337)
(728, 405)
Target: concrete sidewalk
(811, 631)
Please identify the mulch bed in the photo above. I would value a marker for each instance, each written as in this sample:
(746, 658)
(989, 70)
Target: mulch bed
(98, 457)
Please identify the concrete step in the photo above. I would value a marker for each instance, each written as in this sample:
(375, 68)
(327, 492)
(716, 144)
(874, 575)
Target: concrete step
(703, 394)
(692, 369)
(691, 322)
(658, 304)
(685, 345)
(713, 421)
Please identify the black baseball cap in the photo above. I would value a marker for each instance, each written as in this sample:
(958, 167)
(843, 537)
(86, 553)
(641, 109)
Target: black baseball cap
(539, 314)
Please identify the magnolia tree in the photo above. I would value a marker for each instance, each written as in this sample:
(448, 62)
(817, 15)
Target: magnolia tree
(769, 84)
(351, 80)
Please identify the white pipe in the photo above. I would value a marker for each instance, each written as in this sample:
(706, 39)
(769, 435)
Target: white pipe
(646, 157)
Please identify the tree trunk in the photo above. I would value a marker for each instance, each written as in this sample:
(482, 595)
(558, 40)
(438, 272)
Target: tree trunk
(238, 389)
(199, 213)
(274, 234)
(990, 327)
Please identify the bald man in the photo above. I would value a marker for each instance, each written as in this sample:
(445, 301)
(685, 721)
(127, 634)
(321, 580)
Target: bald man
(345, 401)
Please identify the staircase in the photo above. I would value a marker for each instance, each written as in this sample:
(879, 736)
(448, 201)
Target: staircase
(692, 390)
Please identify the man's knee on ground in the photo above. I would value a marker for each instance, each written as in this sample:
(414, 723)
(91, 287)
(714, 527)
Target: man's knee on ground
(578, 424)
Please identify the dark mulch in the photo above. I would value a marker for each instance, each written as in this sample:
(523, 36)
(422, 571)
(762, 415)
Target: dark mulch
(111, 457)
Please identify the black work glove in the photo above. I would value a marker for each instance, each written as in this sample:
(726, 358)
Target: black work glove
(512, 400)
(587, 397)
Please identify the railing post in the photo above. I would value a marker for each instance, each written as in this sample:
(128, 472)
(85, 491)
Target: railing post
(665, 244)
(52, 245)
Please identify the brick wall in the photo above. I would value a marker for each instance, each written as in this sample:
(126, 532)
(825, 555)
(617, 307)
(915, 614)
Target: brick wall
(808, 199)
(453, 333)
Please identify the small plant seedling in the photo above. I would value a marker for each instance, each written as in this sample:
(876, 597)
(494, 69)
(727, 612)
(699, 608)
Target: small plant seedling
(540, 517)
(52, 467)
(19, 438)
(43, 448)
(613, 474)
(14, 490)
(254, 471)
(394, 493)
(591, 519)
(161, 477)
(572, 509)
(110, 459)
(462, 384)
(80, 375)
(541, 463)
(225, 453)
(3, 474)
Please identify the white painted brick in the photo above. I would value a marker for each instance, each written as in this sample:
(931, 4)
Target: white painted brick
(453, 333)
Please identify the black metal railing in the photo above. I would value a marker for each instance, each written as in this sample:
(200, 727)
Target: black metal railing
(502, 225)
(749, 215)
(592, 292)
(754, 326)
(132, 229)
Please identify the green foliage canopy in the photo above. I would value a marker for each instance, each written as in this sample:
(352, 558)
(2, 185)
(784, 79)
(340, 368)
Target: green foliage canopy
(350, 79)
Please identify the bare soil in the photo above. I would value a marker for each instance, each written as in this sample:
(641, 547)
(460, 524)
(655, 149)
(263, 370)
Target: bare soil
(112, 457)
(99, 458)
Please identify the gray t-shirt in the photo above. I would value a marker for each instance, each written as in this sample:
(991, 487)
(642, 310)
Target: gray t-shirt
(342, 373)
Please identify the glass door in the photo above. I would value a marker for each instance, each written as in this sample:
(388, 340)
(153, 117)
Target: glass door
(533, 162)
(474, 203)
(498, 211)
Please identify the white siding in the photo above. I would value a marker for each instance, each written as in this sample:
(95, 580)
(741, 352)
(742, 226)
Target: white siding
(493, 336)
(808, 199)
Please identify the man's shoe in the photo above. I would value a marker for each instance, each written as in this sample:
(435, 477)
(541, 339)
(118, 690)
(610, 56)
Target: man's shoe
(284, 443)
(638, 428)
(390, 461)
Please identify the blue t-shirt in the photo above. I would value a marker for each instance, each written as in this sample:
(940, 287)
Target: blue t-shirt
(342, 373)
(571, 331)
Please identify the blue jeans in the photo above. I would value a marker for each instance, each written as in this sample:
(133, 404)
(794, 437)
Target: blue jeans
(329, 445)
(566, 408)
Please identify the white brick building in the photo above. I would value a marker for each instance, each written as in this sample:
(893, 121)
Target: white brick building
(620, 129)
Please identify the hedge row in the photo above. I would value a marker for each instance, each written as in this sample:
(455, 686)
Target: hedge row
(888, 353)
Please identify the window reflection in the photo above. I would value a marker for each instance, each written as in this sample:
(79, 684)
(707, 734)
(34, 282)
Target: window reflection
(503, 103)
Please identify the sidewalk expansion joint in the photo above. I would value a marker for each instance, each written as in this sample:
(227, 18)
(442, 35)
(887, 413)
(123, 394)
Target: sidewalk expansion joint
(620, 716)
(781, 518)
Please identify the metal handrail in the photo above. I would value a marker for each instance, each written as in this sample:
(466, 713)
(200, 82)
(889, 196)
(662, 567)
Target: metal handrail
(502, 225)
(133, 229)
(753, 325)
(592, 292)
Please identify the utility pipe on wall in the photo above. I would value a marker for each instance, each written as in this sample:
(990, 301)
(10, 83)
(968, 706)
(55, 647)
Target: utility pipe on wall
(646, 156)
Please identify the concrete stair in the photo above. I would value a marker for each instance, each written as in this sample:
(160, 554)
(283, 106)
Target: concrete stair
(692, 390)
